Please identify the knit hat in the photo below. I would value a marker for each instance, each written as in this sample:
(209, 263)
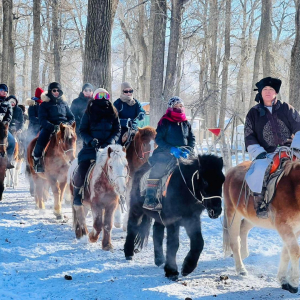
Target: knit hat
(12, 97)
(275, 83)
(54, 85)
(125, 85)
(87, 86)
(99, 91)
(3, 87)
(174, 100)
(38, 92)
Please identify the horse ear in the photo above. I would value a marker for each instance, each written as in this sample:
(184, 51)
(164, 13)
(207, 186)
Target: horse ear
(61, 126)
(124, 149)
(74, 125)
(6, 125)
(109, 151)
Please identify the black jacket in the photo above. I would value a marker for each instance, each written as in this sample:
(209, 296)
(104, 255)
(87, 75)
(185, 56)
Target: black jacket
(78, 108)
(6, 111)
(33, 116)
(53, 112)
(17, 121)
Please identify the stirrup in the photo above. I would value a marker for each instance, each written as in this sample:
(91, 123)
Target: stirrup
(152, 204)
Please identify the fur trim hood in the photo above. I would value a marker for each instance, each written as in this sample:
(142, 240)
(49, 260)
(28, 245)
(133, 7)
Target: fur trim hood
(30, 102)
(45, 97)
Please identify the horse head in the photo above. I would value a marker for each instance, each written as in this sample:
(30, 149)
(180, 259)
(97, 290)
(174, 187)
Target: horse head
(145, 141)
(211, 179)
(3, 138)
(67, 140)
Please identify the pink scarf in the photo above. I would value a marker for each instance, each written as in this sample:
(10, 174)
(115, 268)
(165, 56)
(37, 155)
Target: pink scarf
(173, 116)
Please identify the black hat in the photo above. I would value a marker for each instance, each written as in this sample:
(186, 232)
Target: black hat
(275, 83)
(12, 97)
(4, 87)
(87, 86)
(54, 85)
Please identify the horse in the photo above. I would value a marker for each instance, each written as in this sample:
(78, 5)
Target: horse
(284, 217)
(195, 185)
(106, 182)
(137, 153)
(3, 156)
(60, 152)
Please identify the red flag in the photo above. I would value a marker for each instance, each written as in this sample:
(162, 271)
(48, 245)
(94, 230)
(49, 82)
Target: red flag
(215, 131)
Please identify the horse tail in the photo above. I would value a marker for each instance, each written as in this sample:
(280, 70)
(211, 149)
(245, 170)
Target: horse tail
(141, 239)
(226, 238)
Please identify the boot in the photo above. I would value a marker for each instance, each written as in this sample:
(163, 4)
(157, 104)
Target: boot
(38, 164)
(77, 197)
(151, 202)
(10, 165)
(260, 205)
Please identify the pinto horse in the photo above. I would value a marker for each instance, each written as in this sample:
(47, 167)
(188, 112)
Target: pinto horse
(284, 217)
(3, 156)
(195, 185)
(138, 152)
(107, 181)
(60, 152)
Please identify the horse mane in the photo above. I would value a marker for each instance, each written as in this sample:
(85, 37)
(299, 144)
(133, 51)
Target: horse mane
(147, 131)
(3, 133)
(68, 130)
(289, 166)
(207, 161)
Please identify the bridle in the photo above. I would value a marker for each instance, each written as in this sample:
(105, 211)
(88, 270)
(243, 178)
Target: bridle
(143, 152)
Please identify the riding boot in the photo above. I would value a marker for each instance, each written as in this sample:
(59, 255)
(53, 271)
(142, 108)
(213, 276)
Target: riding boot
(151, 202)
(38, 164)
(260, 205)
(77, 197)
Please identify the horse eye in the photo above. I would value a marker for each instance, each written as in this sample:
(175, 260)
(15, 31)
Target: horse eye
(110, 167)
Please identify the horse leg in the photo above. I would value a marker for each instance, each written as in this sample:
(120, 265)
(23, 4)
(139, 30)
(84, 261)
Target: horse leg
(56, 194)
(193, 230)
(118, 216)
(283, 267)
(107, 226)
(62, 188)
(126, 215)
(98, 223)
(246, 226)
(38, 195)
(79, 223)
(158, 237)
(172, 247)
(18, 168)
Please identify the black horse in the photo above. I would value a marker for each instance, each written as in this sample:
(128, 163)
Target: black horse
(195, 185)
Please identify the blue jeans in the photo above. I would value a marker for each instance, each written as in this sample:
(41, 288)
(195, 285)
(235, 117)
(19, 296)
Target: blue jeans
(11, 146)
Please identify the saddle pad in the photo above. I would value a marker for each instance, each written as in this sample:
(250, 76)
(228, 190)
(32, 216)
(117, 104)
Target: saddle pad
(272, 184)
(278, 161)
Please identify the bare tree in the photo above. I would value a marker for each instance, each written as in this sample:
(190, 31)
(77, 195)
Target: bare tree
(56, 37)
(6, 4)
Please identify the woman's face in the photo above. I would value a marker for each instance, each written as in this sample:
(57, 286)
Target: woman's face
(268, 95)
(128, 92)
(88, 93)
(55, 92)
(12, 103)
(3, 93)
(178, 105)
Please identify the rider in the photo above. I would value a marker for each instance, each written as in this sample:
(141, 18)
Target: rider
(100, 127)
(78, 108)
(128, 108)
(17, 122)
(269, 124)
(53, 111)
(173, 131)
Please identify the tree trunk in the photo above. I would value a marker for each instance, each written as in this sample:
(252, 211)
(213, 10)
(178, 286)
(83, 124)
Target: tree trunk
(11, 52)
(56, 36)
(98, 44)
(36, 48)
(157, 67)
(294, 98)
(5, 41)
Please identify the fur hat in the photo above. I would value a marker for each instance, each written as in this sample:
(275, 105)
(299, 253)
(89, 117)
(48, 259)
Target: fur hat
(54, 85)
(87, 86)
(100, 90)
(125, 85)
(275, 83)
(174, 100)
(4, 87)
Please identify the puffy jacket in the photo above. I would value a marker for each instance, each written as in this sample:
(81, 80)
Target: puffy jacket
(6, 111)
(17, 121)
(33, 115)
(78, 108)
(107, 131)
(128, 112)
(54, 112)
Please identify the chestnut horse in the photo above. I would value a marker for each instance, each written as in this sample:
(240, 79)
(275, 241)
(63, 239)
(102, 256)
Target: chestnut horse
(138, 152)
(61, 151)
(284, 217)
(3, 156)
(107, 181)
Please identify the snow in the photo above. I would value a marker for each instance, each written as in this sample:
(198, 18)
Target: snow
(37, 251)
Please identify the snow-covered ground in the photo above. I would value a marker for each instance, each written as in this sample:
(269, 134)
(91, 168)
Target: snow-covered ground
(37, 251)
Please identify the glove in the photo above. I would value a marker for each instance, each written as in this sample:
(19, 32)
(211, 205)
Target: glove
(288, 142)
(261, 155)
(176, 152)
(94, 143)
(185, 153)
(56, 129)
(141, 116)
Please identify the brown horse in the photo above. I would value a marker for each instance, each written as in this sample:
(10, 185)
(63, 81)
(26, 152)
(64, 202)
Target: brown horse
(284, 217)
(60, 152)
(3, 156)
(138, 152)
(107, 181)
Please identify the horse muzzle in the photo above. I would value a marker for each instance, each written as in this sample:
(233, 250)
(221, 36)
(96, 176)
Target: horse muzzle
(214, 213)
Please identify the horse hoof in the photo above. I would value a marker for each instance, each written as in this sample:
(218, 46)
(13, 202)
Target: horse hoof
(108, 248)
(58, 216)
(290, 288)
(118, 225)
(243, 273)
(129, 257)
(285, 286)
(173, 277)
(159, 261)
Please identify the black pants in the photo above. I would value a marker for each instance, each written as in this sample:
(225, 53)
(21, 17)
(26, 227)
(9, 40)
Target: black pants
(79, 176)
(160, 162)
(41, 142)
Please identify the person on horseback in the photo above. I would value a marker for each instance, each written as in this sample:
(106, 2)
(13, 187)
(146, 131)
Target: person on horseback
(269, 124)
(128, 108)
(17, 123)
(52, 111)
(100, 127)
(6, 116)
(78, 108)
(173, 132)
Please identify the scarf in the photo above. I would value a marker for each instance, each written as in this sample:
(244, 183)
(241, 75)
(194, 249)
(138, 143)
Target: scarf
(173, 116)
(127, 99)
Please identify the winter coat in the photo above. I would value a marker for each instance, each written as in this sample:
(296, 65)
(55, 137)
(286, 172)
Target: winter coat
(54, 112)
(106, 130)
(270, 130)
(6, 111)
(17, 121)
(78, 108)
(33, 114)
(128, 112)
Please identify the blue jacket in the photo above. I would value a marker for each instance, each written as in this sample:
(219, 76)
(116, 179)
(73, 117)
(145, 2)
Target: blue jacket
(128, 112)
(17, 121)
(54, 112)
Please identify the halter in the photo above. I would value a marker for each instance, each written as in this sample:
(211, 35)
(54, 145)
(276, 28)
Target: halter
(143, 152)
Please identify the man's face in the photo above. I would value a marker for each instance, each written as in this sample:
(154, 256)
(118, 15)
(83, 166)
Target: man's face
(88, 93)
(3, 93)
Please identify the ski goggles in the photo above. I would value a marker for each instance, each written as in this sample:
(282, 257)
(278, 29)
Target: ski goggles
(102, 95)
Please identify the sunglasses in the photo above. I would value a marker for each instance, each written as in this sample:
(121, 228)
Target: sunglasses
(102, 95)
(126, 92)
(87, 90)
(55, 90)
(2, 90)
